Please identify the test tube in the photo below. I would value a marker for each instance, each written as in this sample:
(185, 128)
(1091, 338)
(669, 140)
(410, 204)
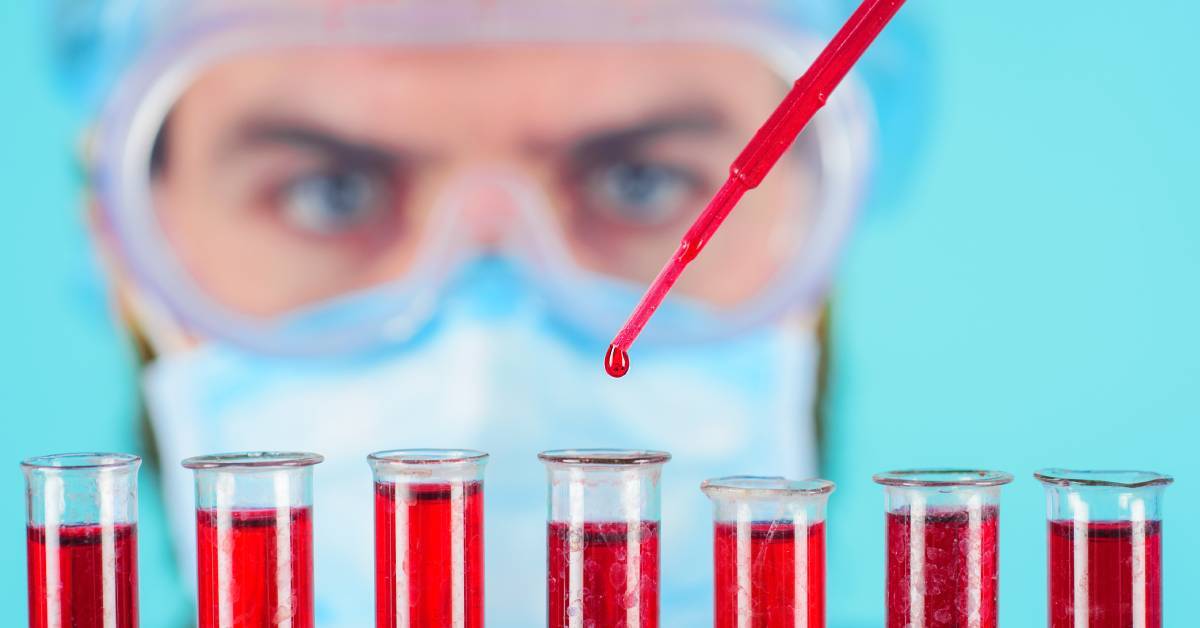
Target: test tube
(254, 539)
(602, 537)
(1104, 539)
(768, 551)
(428, 537)
(942, 547)
(81, 539)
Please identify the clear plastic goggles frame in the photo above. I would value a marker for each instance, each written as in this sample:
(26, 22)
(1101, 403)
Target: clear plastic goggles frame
(397, 310)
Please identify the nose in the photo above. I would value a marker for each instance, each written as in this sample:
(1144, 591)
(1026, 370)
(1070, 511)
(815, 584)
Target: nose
(488, 212)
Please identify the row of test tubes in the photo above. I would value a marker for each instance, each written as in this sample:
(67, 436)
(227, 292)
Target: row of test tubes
(254, 543)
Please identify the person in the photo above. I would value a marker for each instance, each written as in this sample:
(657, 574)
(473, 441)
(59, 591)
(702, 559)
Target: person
(352, 226)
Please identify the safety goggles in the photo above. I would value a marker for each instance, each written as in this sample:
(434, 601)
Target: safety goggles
(263, 167)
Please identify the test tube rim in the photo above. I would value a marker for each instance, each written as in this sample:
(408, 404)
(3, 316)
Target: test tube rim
(1055, 476)
(740, 486)
(426, 456)
(111, 460)
(253, 460)
(955, 477)
(604, 457)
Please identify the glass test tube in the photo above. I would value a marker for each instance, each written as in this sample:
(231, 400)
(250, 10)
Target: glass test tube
(428, 537)
(768, 551)
(81, 539)
(602, 537)
(254, 539)
(942, 547)
(1104, 537)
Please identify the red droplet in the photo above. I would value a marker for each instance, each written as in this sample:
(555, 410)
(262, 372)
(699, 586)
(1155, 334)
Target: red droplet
(616, 361)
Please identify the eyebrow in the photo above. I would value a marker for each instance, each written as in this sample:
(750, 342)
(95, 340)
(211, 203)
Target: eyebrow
(615, 140)
(624, 138)
(258, 133)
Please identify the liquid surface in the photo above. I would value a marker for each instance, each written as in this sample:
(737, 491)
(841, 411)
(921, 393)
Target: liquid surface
(81, 577)
(1110, 570)
(769, 575)
(942, 568)
(602, 575)
(255, 568)
(429, 555)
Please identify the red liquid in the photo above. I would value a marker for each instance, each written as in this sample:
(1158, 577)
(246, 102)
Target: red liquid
(436, 577)
(611, 590)
(806, 97)
(771, 564)
(255, 568)
(1122, 579)
(68, 577)
(953, 582)
(616, 361)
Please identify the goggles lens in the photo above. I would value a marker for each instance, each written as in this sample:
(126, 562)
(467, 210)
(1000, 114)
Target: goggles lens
(282, 179)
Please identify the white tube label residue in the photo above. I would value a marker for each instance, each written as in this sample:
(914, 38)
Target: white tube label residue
(401, 498)
(916, 559)
(283, 551)
(108, 546)
(1138, 561)
(633, 550)
(1079, 556)
(223, 552)
(800, 586)
(458, 576)
(575, 545)
(745, 564)
(975, 551)
(53, 507)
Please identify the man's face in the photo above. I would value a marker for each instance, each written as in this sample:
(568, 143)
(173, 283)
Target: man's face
(287, 178)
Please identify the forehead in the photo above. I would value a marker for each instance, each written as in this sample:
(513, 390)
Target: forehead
(547, 90)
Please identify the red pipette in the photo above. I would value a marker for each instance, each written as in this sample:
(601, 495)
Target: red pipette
(807, 95)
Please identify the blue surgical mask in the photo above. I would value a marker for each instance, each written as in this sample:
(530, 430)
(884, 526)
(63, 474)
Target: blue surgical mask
(494, 372)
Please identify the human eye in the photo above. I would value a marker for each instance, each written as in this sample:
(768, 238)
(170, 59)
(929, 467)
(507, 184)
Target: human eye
(636, 191)
(330, 201)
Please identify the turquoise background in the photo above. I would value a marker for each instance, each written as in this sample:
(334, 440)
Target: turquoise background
(1031, 297)
(66, 378)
